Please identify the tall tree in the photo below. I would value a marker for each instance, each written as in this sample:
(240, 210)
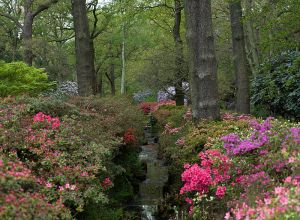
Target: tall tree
(123, 76)
(27, 26)
(179, 60)
(84, 50)
(203, 64)
(241, 67)
(251, 41)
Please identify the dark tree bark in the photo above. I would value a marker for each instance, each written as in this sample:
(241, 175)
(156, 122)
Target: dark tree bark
(179, 93)
(251, 40)
(99, 81)
(241, 66)
(112, 79)
(27, 39)
(84, 51)
(203, 64)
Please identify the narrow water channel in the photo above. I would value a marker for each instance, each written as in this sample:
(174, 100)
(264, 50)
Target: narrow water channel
(151, 189)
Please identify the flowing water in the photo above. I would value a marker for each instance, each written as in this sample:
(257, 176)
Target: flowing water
(151, 189)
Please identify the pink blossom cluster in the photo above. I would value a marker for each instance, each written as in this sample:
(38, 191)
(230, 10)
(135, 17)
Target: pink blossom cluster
(41, 117)
(212, 171)
(235, 117)
(196, 178)
(106, 183)
(170, 130)
(248, 180)
(283, 199)
(67, 186)
(221, 190)
(149, 107)
(259, 137)
(15, 170)
(180, 142)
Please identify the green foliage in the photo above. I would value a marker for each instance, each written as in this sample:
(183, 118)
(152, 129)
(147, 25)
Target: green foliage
(276, 88)
(18, 78)
(51, 106)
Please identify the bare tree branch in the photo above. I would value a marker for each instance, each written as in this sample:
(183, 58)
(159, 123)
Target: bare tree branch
(12, 18)
(95, 33)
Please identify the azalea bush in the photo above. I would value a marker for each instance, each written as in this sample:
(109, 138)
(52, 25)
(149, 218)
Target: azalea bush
(56, 164)
(281, 203)
(21, 195)
(261, 159)
(231, 168)
(149, 107)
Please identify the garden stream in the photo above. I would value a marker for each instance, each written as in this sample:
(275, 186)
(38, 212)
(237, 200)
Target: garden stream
(151, 189)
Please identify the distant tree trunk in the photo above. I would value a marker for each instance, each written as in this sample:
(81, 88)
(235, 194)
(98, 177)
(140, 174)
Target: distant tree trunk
(179, 93)
(100, 84)
(203, 64)
(112, 79)
(99, 81)
(123, 77)
(27, 38)
(241, 67)
(85, 69)
(251, 46)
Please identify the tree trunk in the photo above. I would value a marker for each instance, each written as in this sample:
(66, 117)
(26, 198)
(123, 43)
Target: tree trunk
(123, 77)
(83, 48)
(253, 57)
(241, 67)
(112, 79)
(27, 36)
(179, 93)
(203, 64)
(100, 84)
(28, 26)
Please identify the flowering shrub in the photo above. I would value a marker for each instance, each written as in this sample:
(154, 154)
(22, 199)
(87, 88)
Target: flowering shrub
(129, 137)
(149, 107)
(260, 155)
(58, 165)
(208, 176)
(258, 138)
(69, 88)
(141, 96)
(282, 203)
(19, 198)
(260, 160)
(40, 117)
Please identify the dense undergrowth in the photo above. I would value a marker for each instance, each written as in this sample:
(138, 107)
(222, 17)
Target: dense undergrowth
(67, 158)
(240, 167)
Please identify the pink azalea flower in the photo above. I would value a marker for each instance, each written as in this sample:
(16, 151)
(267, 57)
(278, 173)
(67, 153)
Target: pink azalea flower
(188, 200)
(227, 216)
(288, 179)
(221, 190)
(291, 159)
(48, 185)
